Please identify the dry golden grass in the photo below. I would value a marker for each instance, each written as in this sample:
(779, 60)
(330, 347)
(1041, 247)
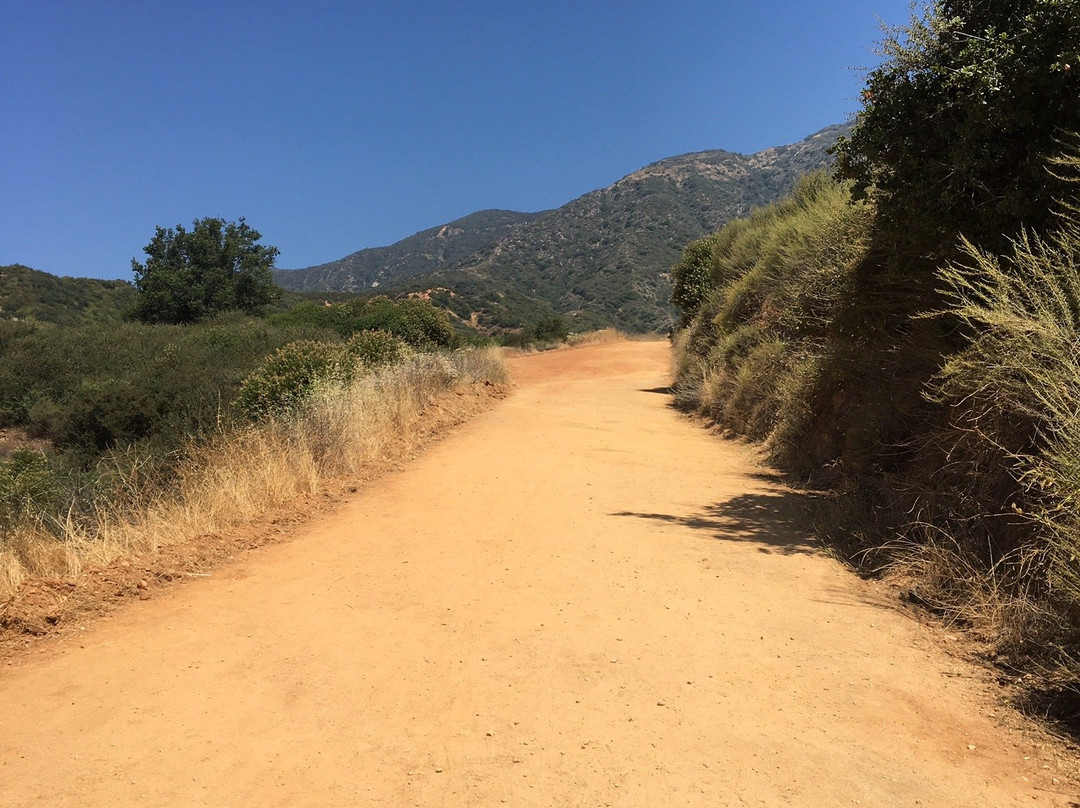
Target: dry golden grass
(601, 337)
(240, 474)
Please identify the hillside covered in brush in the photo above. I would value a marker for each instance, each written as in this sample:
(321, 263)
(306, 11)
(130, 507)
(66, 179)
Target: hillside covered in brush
(418, 254)
(602, 259)
(27, 294)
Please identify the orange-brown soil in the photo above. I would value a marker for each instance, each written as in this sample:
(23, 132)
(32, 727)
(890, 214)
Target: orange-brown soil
(578, 598)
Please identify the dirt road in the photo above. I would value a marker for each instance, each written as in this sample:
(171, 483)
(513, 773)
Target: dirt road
(579, 599)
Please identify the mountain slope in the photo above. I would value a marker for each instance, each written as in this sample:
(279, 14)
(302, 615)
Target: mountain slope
(602, 259)
(418, 254)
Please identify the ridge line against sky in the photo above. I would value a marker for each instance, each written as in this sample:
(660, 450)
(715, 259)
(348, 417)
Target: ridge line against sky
(333, 126)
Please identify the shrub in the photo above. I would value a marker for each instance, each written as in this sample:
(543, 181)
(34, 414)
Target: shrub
(289, 376)
(777, 281)
(415, 321)
(1014, 401)
(94, 388)
(551, 329)
(376, 348)
(28, 488)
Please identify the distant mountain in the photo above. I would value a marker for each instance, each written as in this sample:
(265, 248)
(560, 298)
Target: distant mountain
(602, 259)
(419, 254)
(27, 294)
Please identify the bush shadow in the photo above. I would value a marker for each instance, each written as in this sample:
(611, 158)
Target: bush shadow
(776, 521)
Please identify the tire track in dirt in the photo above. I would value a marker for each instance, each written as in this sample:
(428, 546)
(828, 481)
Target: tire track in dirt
(579, 599)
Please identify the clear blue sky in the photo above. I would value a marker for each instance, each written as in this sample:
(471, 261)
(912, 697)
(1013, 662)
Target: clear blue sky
(334, 126)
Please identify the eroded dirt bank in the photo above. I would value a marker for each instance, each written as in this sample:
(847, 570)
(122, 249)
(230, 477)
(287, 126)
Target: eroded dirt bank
(579, 599)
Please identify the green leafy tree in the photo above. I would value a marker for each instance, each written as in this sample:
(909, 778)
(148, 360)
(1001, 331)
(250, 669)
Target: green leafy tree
(957, 123)
(691, 279)
(216, 266)
(551, 329)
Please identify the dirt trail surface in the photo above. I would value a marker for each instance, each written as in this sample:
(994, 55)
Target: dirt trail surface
(579, 599)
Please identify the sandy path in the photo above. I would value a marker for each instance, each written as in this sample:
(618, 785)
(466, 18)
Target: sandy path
(580, 599)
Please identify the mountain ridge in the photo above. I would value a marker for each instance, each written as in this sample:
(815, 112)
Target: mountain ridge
(601, 259)
(422, 252)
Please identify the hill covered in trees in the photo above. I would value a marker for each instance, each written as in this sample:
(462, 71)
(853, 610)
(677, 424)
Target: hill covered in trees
(602, 259)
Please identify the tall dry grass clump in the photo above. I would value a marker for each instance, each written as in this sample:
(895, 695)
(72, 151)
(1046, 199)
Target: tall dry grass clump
(1012, 439)
(602, 336)
(240, 472)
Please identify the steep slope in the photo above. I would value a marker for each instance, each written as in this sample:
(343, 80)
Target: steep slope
(418, 254)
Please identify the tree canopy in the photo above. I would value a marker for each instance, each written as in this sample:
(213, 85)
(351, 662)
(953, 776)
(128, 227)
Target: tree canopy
(958, 121)
(216, 266)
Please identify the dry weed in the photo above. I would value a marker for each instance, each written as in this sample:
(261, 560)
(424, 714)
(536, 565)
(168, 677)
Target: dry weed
(600, 337)
(239, 474)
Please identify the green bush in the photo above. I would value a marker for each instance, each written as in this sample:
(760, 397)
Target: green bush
(550, 329)
(1013, 398)
(94, 388)
(776, 283)
(415, 321)
(28, 488)
(375, 349)
(289, 376)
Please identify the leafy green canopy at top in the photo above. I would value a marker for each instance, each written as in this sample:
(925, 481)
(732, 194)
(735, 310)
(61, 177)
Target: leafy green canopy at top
(957, 123)
(217, 266)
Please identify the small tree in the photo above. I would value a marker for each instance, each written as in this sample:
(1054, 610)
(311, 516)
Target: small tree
(217, 266)
(691, 279)
(551, 329)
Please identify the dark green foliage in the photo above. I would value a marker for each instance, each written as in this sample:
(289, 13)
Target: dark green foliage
(287, 378)
(958, 121)
(551, 329)
(29, 295)
(956, 138)
(547, 332)
(216, 267)
(93, 388)
(375, 349)
(414, 321)
(690, 279)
